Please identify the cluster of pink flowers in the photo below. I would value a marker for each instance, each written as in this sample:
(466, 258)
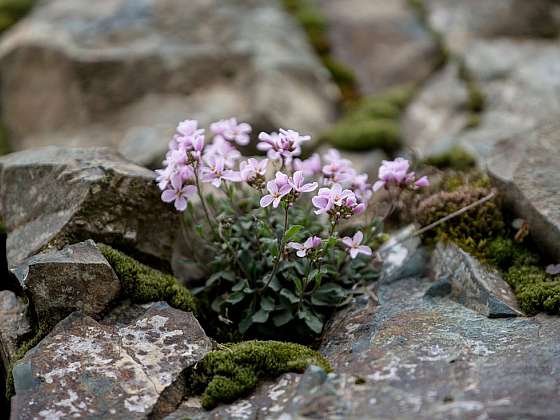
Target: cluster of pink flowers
(344, 192)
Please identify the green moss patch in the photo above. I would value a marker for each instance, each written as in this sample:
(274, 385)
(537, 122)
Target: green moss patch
(13, 10)
(483, 233)
(456, 158)
(226, 375)
(142, 284)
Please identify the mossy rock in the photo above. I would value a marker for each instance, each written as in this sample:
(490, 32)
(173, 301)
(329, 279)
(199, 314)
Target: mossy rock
(365, 135)
(142, 284)
(456, 158)
(226, 375)
(536, 290)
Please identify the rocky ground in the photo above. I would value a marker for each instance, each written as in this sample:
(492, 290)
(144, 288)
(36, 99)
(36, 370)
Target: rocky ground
(87, 331)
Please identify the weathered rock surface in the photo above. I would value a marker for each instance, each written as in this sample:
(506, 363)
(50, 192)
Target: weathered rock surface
(363, 31)
(437, 114)
(54, 196)
(86, 369)
(525, 170)
(13, 325)
(462, 22)
(470, 283)
(76, 278)
(124, 72)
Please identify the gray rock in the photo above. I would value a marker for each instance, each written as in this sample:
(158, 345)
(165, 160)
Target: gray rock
(475, 286)
(362, 31)
(524, 168)
(437, 114)
(86, 369)
(402, 256)
(123, 73)
(416, 357)
(76, 278)
(461, 22)
(72, 195)
(14, 325)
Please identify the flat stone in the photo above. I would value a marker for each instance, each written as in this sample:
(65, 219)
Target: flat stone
(462, 22)
(123, 73)
(76, 194)
(362, 31)
(76, 278)
(402, 256)
(472, 284)
(524, 168)
(13, 325)
(437, 114)
(86, 369)
(417, 357)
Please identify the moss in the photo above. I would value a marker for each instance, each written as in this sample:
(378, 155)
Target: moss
(455, 158)
(226, 375)
(142, 284)
(13, 10)
(536, 290)
(364, 135)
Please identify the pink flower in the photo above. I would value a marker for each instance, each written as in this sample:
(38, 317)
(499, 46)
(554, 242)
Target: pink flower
(302, 249)
(252, 168)
(269, 143)
(277, 189)
(310, 166)
(232, 131)
(189, 128)
(284, 145)
(223, 149)
(352, 204)
(396, 172)
(215, 172)
(354, 247)
(178, 193)
(329, 197)
(362, 188)
(422, 182)
(337, 169)
(298, 185)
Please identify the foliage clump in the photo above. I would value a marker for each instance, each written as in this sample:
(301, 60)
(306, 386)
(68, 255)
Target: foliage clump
(456, 158)
(142, 284)
(483, 232)
(372, 122)
(226, 375)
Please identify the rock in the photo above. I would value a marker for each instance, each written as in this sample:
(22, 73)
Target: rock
(77, 278)
(402, 256)
(437, 114)
(268, 401)
(475, 286)
(524, 168)
(83, 368)
(14, 325)
(123, 73)
(362, 31)
(461, 22)
(422, 358)
(75, 194)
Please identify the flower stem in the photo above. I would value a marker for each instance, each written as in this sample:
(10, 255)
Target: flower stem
(202, 200)
(280, 251)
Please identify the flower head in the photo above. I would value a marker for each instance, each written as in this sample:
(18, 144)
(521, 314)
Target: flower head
(303, 249)
(216, 172)
(252, 168)
(396, 173)
(354, 247)
(297, 183)
(230, 130)
(283, 145)
(276, 190)
(327, 198)
(224, 149)
(310, 166)
(178, 193)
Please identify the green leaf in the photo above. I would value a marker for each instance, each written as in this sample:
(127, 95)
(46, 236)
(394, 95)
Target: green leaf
(275, 284)
(282, 318)
(329, 294)
(289, 295)
(235, 298)
(311, 320)
(331, 242)
(267, 303)
(292, 231)
(217, 304)
(245, 324)
(240, 285)
(260, 317)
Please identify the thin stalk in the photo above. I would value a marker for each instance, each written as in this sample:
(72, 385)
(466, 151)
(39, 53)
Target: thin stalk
(202, 200)
(280, 251)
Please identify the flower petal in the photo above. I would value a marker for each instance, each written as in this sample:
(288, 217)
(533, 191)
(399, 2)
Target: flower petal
(266, 200)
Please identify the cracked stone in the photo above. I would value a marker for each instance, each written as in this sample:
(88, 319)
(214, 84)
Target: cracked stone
(77, 277)
(86, 369)
(76, 194)
(13, 324)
